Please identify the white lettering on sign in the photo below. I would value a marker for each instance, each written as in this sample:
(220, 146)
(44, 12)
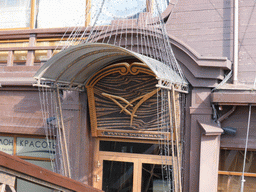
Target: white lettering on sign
(6, 144)
(35, 147)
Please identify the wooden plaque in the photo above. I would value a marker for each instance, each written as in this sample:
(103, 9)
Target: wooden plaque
(123, 102)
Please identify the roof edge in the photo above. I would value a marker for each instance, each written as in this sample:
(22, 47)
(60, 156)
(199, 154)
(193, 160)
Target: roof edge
(202, 61)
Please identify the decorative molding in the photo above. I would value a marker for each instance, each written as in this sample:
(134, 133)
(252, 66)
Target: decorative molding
(122, 68)
(210, 129)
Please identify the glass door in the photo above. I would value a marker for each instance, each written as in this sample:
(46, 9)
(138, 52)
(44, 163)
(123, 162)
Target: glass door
(126, 172)
(154, 178)
(117, 176)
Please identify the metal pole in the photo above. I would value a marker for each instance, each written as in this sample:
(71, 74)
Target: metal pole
(235, 41)
(174, 160)
(60, 135)
(63, 134)
(177, 139)
(246, 146)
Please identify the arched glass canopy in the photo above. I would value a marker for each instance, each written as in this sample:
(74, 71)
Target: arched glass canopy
(74, 66)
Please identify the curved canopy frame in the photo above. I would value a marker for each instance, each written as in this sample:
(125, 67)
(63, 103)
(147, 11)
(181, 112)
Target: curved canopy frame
(74, 66)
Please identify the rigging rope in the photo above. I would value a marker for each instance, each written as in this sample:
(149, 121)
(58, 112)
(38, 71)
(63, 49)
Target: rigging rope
(149, 33)
(146, 35)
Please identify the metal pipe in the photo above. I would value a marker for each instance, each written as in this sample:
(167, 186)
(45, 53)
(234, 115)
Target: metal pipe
(60, 135)
(235, 42)
(226, 115)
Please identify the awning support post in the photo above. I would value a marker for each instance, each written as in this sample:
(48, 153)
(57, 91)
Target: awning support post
(63, 140)
(174, 123)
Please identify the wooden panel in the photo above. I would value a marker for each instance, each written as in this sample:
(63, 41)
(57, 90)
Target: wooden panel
(114, 92)
(236, 173)
(150, 159)
(124, 97)
(20, 166)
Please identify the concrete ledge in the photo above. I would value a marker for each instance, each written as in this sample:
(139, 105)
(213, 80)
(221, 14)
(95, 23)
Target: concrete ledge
(8, 129)
(234, 97)
(17, 81)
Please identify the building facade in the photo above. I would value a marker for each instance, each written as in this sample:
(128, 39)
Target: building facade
(218, 108)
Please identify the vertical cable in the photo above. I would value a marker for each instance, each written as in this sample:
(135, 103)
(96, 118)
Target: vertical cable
(246, 146)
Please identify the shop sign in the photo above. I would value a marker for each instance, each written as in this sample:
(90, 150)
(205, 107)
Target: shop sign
(133, 135)
(35, 147)
(6, 144)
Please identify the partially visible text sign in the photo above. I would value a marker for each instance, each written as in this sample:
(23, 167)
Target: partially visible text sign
(6, 144)
(133, 135)
(35, 147)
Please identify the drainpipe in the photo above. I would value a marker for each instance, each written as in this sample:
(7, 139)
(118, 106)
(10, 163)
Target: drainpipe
(235, 42)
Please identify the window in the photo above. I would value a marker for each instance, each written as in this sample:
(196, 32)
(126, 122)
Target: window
(129, 147)
(36, 150)
(64, 13)
(132, 165)
(231, 167)
(114, 9)
(25, 14)
(28, 147)
(60, 13)
(15, 13)
(9, 3)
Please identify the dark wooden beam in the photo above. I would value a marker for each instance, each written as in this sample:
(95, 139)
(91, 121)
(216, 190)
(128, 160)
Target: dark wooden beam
(19, 166)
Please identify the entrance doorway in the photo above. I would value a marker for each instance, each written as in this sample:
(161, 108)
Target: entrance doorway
(132, 172)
